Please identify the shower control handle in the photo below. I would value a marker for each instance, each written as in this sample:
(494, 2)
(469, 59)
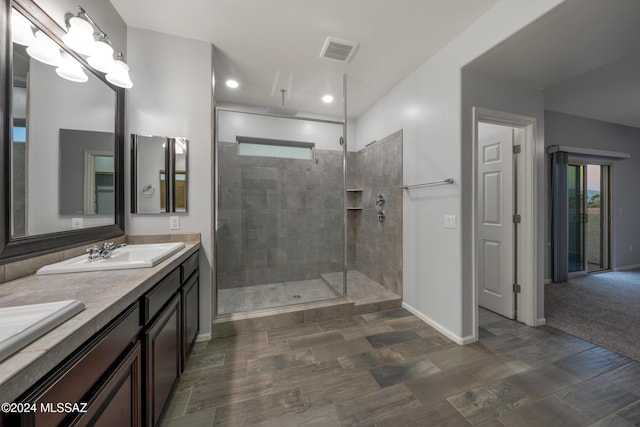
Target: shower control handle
(381, 216)
(380, 201)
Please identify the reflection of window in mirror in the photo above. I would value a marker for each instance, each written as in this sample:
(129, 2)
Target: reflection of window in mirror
(181, 191)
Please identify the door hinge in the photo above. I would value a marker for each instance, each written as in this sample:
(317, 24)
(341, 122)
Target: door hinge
(517, 219)
(517, 288)
(517, 149)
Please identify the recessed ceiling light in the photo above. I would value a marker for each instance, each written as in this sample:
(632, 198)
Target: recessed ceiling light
(232, 84)
(327, 99)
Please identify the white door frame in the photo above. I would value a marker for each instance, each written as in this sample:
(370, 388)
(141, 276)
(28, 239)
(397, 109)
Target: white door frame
(529, 271)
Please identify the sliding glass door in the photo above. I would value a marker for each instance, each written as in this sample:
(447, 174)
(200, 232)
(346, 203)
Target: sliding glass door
(588, 219)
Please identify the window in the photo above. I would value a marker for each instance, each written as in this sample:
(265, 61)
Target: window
(275, 148)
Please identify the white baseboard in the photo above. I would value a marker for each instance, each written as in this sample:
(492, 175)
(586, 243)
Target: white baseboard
(203, 337)
(627, 267)
(438, 327)
(541, 321)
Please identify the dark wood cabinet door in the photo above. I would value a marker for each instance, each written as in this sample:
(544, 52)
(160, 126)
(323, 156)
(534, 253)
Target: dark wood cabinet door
(119, 401)
(190, 316)
(162, 359)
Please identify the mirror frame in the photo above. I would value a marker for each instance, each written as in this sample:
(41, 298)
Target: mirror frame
(30, 246)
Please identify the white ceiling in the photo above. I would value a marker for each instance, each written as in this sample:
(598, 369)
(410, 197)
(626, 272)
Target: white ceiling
(269, 45)
(585, 54)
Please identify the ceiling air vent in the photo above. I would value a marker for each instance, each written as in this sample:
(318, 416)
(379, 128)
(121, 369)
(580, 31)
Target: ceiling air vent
(338, 50)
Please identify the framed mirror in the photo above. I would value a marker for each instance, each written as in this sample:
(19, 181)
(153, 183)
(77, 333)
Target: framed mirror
(159, 174)
(62, 141)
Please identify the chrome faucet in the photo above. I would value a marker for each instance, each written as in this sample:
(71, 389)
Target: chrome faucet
(96, 252)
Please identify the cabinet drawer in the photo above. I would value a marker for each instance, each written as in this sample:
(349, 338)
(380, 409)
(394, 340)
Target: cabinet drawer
(189, 266)
(157, 297)
(74, 380)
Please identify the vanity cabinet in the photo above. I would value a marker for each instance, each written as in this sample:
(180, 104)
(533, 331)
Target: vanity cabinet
(96, 374)
(124, 374)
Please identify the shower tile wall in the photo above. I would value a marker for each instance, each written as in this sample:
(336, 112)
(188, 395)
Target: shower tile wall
(280, 219)
(375, 249)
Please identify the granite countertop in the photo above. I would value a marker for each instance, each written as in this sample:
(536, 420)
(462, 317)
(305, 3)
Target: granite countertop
(104, 296)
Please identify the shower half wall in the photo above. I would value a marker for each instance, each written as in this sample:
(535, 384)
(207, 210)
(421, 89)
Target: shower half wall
(280, 219)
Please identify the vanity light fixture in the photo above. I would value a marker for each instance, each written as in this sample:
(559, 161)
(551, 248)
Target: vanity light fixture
(22, 30)
(71, 69)
(102, 56)
(327, 99)
(233, 84)
(80, 35)
(81, 38)
(119, 74)
(45, 50)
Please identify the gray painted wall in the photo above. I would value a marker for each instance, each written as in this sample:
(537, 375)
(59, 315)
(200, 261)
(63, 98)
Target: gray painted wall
(565, 129)
(375, 248)
(169, 98)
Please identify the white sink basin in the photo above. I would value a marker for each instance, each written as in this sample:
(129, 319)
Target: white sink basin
(25, 323)
(130, 256)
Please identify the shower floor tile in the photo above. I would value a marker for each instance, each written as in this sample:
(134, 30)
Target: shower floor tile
(260, 297)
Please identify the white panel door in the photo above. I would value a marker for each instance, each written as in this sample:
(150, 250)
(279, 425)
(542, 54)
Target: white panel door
(495, 251)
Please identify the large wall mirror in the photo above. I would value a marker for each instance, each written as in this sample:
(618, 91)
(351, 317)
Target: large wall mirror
(62, 141)
(158, 174)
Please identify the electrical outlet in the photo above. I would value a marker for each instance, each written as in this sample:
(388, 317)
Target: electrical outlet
(449, 221)
(174, 223)
(77, 223)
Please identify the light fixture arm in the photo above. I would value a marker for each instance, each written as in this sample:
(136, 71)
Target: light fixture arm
(86, 16)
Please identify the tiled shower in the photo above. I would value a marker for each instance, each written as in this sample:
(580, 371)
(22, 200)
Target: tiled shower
(280, 222)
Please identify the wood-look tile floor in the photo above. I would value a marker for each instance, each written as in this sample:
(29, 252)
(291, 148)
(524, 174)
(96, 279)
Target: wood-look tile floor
(391, 369)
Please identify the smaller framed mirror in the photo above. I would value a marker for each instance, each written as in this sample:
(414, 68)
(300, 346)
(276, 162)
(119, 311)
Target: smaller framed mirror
(159, 174)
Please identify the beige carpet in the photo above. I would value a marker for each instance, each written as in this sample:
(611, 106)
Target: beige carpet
(602, 308)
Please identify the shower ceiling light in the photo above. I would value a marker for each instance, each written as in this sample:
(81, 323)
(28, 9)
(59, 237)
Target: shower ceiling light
(232, 84)
(327, 99)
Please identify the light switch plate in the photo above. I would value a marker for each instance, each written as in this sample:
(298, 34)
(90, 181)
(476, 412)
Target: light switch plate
(449, 221)
(174, 223)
